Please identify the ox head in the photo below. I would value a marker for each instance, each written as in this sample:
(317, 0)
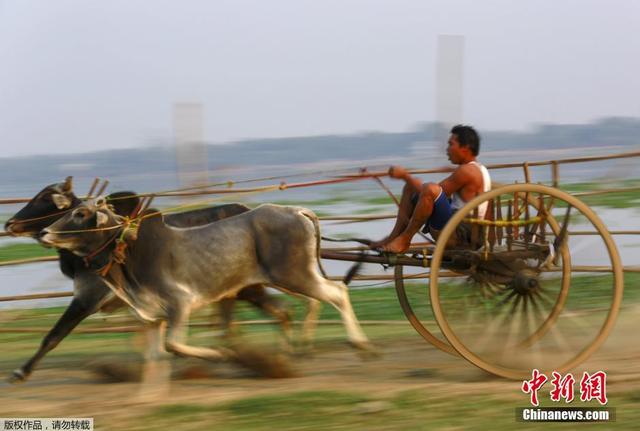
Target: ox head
(84, 229)
(54, 201)
(47, 206)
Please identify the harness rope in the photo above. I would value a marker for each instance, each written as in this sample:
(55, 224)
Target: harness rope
(29, 220)
(230, 183)
(119, 253)
(105, 269)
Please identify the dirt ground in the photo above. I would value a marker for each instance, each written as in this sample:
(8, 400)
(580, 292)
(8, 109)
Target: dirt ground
(407, 363)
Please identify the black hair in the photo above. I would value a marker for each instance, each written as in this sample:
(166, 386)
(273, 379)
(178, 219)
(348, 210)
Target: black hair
(467, 137)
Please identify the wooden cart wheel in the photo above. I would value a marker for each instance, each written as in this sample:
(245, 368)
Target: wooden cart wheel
(415, 321)
(541, 281)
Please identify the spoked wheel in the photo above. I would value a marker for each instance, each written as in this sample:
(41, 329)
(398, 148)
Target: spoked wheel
(540, 281)
(414, 300)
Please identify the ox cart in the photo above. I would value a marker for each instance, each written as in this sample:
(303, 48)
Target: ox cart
(503, 290)
(536, 283)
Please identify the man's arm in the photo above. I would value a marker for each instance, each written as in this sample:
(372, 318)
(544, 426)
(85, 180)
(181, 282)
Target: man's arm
(456, 181)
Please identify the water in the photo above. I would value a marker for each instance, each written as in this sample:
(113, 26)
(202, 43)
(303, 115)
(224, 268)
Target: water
(45, 277)
(33, 278)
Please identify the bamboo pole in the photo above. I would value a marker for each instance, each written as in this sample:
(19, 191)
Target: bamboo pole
(352, 177)
(29, 260)
(36, 296)
(380, 277)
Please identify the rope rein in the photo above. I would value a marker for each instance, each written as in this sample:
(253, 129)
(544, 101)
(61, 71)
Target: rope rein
(44, 217)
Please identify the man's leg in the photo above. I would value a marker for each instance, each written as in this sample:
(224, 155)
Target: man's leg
(421, 213)
(405, 210)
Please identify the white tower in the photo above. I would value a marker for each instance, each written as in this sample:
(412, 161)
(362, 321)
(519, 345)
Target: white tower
(191, 149)
(449, 83)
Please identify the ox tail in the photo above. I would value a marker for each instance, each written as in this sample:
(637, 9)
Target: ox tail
(355, 268)
(316, 225)
(363, 241)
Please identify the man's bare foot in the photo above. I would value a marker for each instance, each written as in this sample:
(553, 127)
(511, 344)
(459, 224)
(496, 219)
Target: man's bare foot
(399, 245)
(379, 244)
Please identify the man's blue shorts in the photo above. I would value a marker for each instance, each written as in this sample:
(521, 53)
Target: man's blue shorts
(440, 215)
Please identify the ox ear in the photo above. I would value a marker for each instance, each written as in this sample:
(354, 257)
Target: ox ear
(68, 184)
(102, 219)
(61, 201)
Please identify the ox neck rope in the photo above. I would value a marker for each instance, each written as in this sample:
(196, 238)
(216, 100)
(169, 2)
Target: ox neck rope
(118, 254)
(93, 256)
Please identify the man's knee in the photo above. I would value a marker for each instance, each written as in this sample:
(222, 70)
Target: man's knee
(430, 190)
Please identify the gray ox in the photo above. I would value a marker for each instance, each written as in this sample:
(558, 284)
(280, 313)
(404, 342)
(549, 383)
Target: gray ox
(170, 271)
(92, 294)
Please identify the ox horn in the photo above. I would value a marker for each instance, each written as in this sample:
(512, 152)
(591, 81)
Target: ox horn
(93, 188)
(103, 187)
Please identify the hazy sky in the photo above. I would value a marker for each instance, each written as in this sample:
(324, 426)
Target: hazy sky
(85, 75)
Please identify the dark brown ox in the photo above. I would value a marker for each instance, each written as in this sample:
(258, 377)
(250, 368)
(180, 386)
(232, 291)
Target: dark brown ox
(170, 271)
(91, 294)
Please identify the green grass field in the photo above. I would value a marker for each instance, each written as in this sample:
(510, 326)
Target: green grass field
(24, 251)
(330, 410)
(627, 199)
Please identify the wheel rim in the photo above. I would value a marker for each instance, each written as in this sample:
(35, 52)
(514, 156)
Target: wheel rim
(547, 327)
(413, 319)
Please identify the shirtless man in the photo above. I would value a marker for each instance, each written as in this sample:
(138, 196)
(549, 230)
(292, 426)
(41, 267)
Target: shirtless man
(432, 205)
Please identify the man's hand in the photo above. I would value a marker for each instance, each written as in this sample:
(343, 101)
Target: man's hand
(398, 172)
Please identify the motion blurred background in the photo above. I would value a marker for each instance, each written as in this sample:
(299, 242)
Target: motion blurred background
(165, 95)
(160, 95)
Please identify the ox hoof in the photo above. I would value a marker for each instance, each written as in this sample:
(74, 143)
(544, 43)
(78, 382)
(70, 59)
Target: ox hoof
(305, 348)
(303, 353)
(265, 363)
(17, 376)
(228, 354)
(286, 347)
(367, 351)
